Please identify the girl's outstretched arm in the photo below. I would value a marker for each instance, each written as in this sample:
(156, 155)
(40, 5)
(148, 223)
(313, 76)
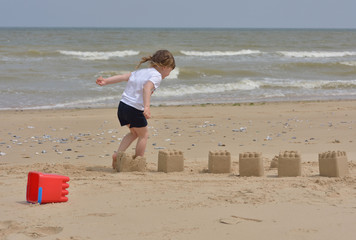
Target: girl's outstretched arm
(114, 79)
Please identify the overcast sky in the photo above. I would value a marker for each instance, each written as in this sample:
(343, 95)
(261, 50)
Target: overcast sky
(179, 13)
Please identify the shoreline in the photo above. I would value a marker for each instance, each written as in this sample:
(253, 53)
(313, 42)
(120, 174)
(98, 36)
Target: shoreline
(249, 103)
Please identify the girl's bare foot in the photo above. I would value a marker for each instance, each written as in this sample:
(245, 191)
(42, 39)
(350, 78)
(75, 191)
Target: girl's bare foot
(116, 160)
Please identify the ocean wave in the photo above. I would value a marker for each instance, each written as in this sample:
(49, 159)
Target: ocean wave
(219, 53)
(274, 95)
(315, 54)
(107, 74)
(34, 53)
(341, 84)
(99, 55)
(351, 63)
(244, 89)
(207, 88)
(27, 56)
(201, 72)
(83, 103)
(308, 84)
(193, 73)
(174, 74)
(247, 85)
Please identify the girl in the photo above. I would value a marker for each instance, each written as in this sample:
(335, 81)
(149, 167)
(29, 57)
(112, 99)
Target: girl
(134, 107)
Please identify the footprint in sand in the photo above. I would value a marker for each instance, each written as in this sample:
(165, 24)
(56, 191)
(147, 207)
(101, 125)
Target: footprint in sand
(42, 231)
(101, 214)
(13, 230)
(235, 220)
(8, 227)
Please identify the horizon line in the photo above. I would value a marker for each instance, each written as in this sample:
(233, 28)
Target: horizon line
(237, 28)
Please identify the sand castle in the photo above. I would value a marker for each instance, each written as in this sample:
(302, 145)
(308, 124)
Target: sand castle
(219, 162)
(289, 164)
(170, 161)
(274, 162)
(251, 164)
(333, 164)
(128, 163)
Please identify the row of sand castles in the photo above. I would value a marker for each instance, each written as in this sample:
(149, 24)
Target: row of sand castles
(331, 163)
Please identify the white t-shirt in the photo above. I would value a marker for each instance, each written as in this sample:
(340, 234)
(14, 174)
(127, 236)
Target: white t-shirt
(133, 94)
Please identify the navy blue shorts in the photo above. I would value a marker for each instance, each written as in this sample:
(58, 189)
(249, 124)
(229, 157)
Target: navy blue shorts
(130, 115)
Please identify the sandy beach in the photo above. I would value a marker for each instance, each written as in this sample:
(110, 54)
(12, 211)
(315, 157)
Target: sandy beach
(193, 204)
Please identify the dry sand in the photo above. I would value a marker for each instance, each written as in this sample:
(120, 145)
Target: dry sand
(192, 204)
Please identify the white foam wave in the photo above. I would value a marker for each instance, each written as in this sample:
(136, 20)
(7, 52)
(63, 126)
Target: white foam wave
(315, 54)
(273, 95)
(246, 85)
(83, 103)
(98, 55)
(174, 74)
(219, 53)
(352, 63)
(311, 84)
(207, 88)
(333, 84)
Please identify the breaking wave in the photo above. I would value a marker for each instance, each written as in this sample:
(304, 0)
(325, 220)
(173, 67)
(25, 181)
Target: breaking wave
(315, 54)
(219, 53)
(99, 55)
(207, 88)
(247, 84)
(351, 63)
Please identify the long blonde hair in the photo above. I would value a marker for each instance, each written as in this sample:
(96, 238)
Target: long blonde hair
(161, 58)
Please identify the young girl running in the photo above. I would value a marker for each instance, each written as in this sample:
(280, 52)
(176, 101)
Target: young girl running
(134, 107)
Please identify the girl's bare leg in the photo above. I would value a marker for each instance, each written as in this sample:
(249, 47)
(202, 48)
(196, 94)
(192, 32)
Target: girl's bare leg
(125, 143)
(142, 135)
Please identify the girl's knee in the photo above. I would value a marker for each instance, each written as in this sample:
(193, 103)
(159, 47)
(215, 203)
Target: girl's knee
(141, 132)
(133, 133)
(143, 135)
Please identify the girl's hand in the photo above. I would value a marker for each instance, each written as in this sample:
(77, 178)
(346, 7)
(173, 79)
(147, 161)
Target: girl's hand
(147, 113)
(101, 81)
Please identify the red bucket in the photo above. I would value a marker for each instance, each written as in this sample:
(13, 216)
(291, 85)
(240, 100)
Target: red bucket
(46, 188)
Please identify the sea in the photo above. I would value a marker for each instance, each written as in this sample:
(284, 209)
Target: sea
(55, 68)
